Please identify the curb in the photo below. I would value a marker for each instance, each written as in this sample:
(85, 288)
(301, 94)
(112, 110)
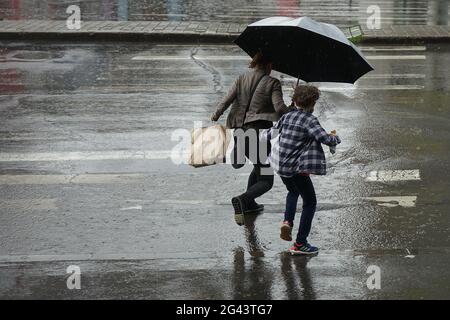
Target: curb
(405, 39)
(122, 36)
(186, 37)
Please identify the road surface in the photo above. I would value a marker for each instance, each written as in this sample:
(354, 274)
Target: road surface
(87, 178)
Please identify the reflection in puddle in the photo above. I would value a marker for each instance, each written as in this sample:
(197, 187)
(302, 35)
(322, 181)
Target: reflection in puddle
(257, 278)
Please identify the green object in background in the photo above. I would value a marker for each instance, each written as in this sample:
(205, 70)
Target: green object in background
(355, 34)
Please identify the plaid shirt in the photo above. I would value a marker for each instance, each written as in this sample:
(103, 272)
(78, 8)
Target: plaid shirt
(298, 148)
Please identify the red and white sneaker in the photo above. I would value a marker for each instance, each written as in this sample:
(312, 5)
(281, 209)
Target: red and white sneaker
(303, 249)
(286, 231)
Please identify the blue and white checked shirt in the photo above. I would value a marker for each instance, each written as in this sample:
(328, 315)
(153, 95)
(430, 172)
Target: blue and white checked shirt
(297, 147)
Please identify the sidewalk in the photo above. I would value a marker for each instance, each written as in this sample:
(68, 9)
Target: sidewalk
(186, 31)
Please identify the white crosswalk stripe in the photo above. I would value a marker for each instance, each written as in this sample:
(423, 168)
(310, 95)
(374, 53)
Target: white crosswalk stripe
(245, 58)
(91, 155)
(231, 46)
(393, 48)
(26, 204)
(49, 179)
(393, 175)
(395, 201)
(397, 57)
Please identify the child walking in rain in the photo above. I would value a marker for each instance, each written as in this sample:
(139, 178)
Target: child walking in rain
(296, 154)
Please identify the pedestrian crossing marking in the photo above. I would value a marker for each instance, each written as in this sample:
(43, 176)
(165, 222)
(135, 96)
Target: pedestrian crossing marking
(397, 57)
(27, 204)
(90, 155)
(388, 49)
(393, 175)
(243, 57)
(394, 201)
(131, 208)
(52, 179)
(220, 47)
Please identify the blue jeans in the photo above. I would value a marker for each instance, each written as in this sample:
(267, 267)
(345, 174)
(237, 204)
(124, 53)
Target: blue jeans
(299, 185)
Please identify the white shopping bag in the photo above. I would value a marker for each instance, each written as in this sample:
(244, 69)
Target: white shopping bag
(209, 145)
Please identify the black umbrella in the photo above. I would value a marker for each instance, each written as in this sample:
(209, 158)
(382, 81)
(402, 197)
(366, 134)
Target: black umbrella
(305, 49)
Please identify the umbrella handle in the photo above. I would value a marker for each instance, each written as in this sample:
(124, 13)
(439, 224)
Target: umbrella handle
(293, 103)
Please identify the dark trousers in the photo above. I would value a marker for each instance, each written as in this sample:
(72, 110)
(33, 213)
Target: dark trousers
(299, 185)
(261, 178)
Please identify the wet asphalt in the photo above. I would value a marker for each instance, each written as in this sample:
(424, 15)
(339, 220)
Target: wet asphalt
(87, 179)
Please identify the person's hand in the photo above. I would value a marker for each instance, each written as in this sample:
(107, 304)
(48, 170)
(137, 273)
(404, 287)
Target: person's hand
(215, 117)
(333, 133)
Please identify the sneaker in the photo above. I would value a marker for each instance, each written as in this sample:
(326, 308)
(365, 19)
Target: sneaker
(286, 231)
(303, 249)
(238, 205)
(254, 208)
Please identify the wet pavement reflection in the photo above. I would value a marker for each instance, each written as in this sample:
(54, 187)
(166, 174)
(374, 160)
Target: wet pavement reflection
(254, 278)
(251, 280)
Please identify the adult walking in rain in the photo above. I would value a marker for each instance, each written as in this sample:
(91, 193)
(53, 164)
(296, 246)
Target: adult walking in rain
(257, 101)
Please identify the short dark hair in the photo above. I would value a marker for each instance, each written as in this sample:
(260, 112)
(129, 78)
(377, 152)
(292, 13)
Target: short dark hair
(260, 60)
(305, 97)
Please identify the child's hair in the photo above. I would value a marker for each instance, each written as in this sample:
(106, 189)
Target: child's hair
(305, 97)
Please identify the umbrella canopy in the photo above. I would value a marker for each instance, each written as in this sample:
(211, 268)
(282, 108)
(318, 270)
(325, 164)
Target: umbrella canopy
(305, 49)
